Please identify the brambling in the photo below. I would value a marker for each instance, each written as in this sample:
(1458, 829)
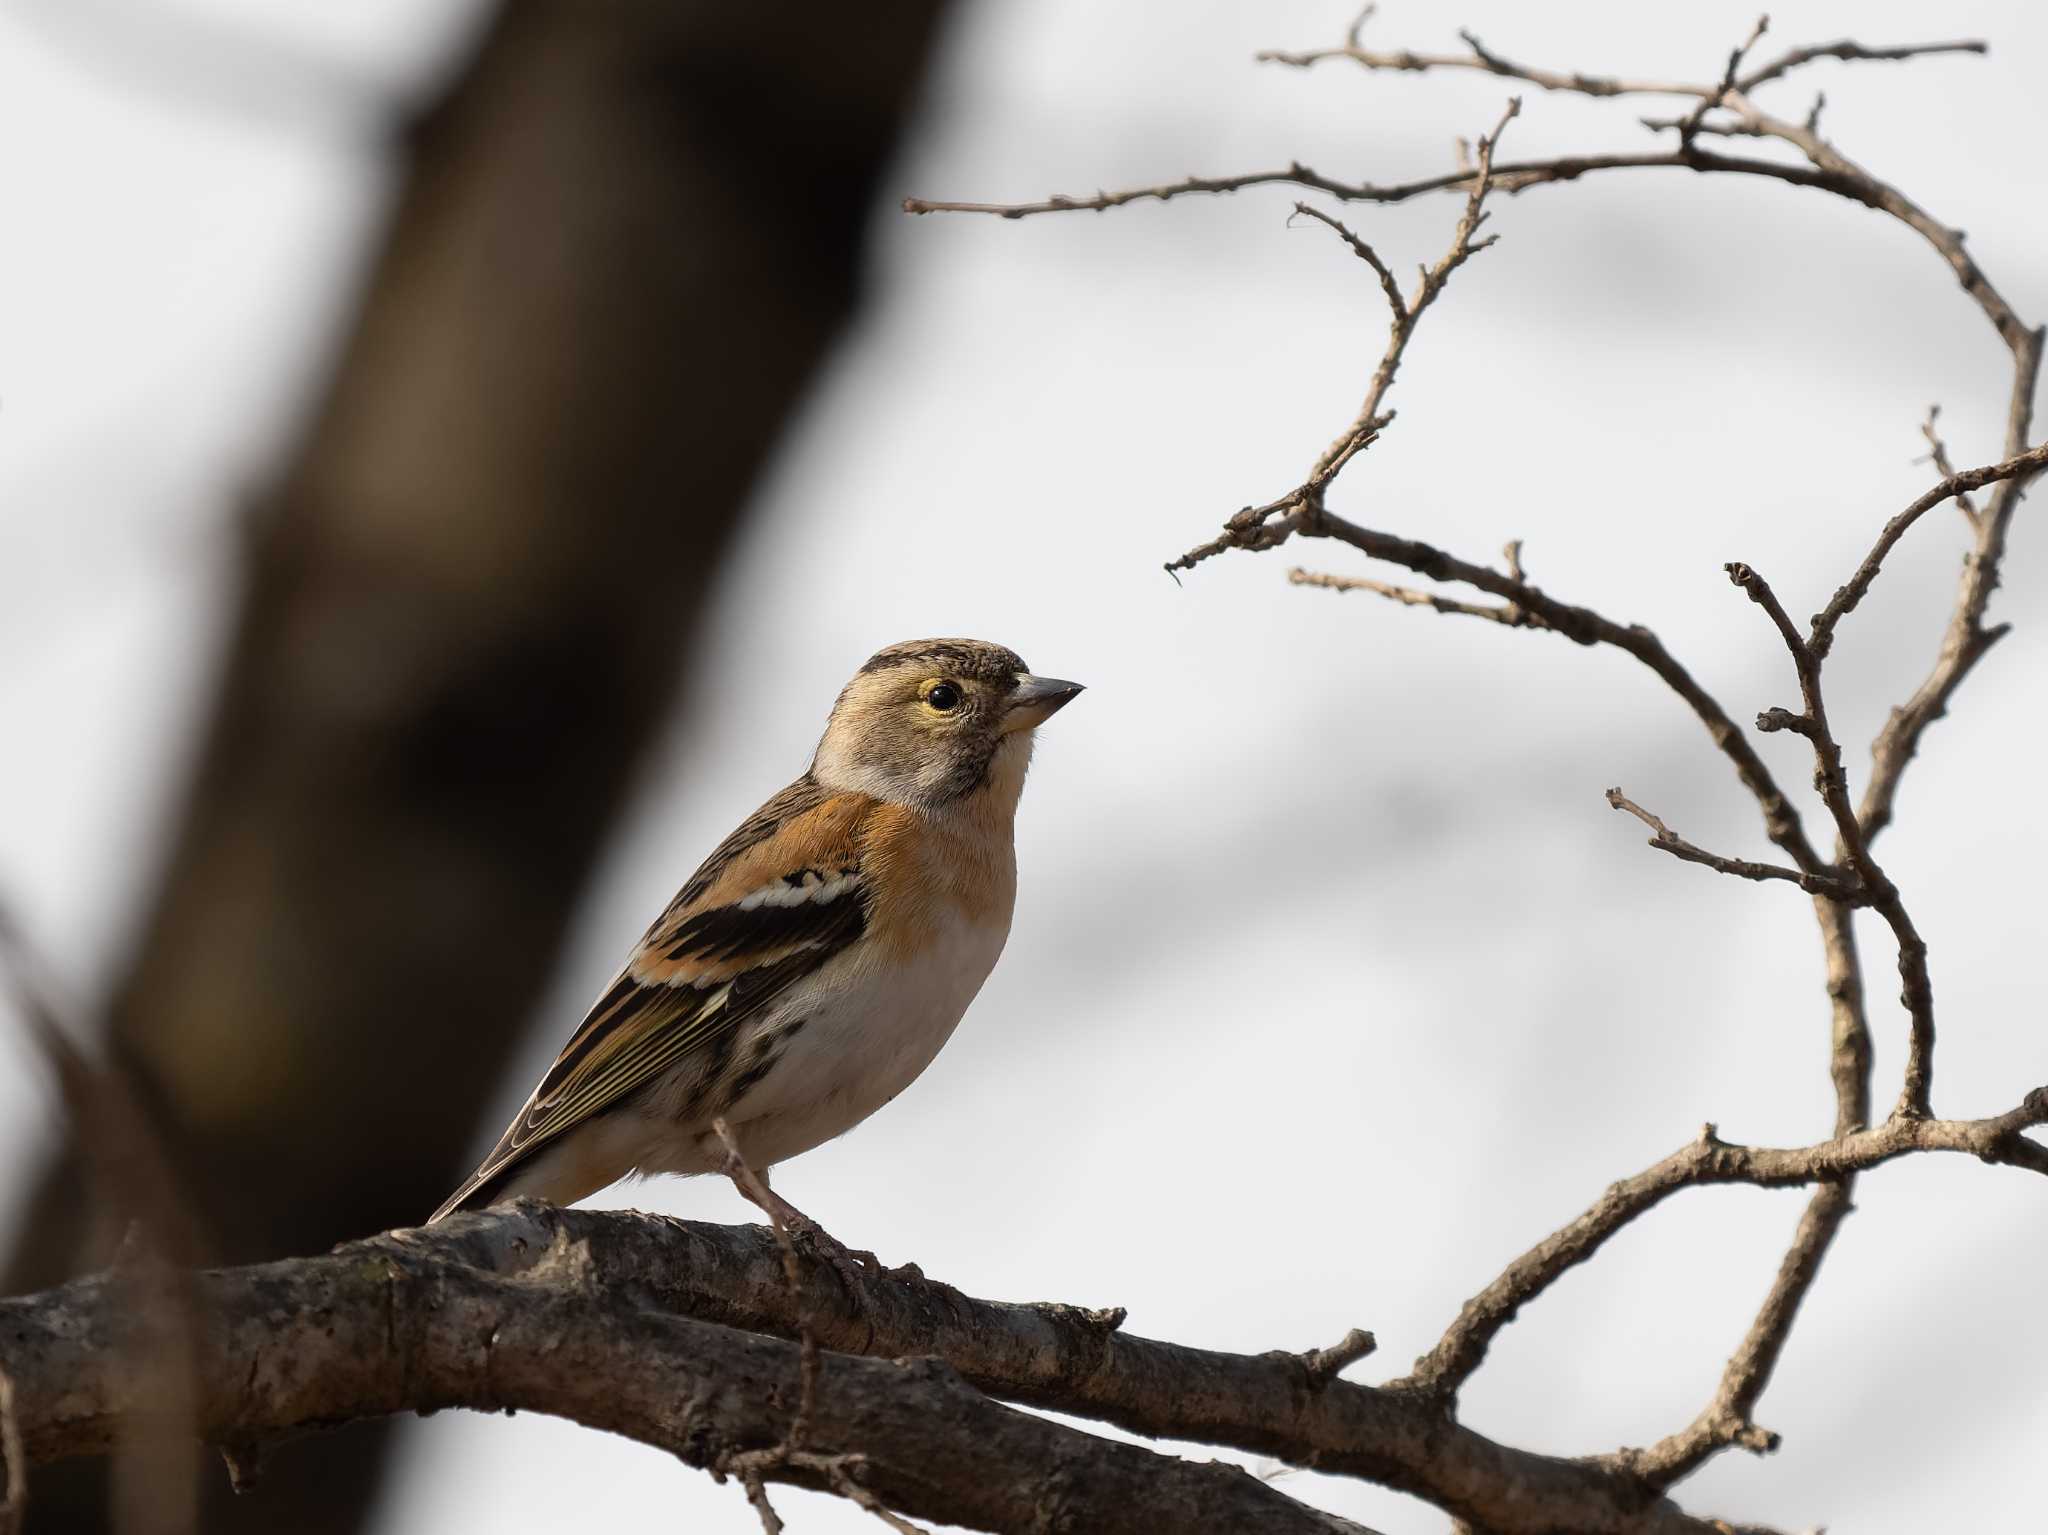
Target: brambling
(821, 956)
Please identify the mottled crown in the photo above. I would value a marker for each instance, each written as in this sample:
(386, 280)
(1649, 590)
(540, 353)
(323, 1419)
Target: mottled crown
(973, 660)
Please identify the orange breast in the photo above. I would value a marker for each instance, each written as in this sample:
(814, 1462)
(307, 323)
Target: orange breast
(923, 873)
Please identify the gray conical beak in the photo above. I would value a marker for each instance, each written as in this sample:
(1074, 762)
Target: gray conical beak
(1036, 700)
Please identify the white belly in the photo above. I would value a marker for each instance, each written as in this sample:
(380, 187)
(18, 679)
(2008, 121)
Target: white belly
(858, 1034)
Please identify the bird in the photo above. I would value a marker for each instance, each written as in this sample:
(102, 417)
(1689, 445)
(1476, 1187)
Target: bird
(816, 963)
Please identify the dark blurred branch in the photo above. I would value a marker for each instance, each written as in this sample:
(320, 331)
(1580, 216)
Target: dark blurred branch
(13, 1462)
(154, 1480)
(466, 607)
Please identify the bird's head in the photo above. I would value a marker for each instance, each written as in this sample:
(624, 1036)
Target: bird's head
(928, 722)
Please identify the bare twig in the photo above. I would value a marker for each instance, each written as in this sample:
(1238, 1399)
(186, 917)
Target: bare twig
(1937, 455)
(1512, 177)
(1833, 887)
(757, 1498)
(1573, 81)
(1829, 778)
(1851, 52)
(1829, 169)
(1254, 527)
(1967, 637)
(1480, 58)
(1953, 486)
(1584, 626)
(1388, 286)
(1728, 1416)
(1689, 125)
(1506, 613)
(1726, 1420)
(1406, 315)
(1708, 1159)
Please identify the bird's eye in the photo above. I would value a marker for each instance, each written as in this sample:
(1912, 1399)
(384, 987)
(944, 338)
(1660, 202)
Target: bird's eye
(943, 696)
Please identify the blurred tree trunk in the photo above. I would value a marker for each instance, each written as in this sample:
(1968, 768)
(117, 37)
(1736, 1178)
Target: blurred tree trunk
(628, 236)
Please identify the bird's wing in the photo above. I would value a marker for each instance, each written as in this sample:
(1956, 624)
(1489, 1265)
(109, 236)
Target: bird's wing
(780, 897)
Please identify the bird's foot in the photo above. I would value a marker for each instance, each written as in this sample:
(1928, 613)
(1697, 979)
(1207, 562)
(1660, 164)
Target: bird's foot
(851, 1264)
(792, 1224)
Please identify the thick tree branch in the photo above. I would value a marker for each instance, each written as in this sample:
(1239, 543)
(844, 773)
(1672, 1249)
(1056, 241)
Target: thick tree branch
(403, 1324)
(628, 1322)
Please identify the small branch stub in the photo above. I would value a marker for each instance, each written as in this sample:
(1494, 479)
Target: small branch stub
(1827, 883)
(1326, 1364)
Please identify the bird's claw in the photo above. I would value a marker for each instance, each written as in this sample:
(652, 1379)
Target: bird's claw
(852, 1265)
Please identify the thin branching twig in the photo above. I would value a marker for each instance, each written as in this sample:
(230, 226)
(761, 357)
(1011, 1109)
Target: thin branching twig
(1724, 109)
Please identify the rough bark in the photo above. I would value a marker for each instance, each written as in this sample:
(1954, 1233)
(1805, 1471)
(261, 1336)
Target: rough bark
(668, 1331)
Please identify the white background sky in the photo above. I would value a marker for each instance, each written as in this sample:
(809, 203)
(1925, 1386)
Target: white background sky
(1334, 982)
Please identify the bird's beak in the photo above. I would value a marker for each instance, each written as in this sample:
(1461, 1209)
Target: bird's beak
(1036, 700)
